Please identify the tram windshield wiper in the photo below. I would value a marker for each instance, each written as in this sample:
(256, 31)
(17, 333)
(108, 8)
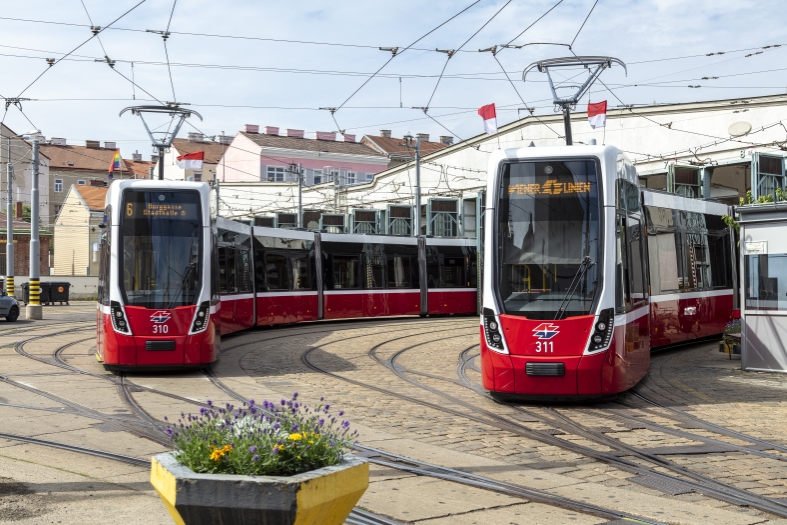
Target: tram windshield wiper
(190, 269)
(583, 267)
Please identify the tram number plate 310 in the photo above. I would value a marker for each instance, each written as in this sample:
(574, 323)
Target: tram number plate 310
(545, 347)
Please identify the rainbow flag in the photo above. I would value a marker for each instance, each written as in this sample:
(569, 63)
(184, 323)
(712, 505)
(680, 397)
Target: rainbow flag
(115, 166)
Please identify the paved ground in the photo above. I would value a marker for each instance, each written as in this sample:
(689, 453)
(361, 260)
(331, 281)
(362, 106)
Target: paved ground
(403, 385)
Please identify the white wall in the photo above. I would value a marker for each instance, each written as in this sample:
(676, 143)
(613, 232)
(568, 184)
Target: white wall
(82, 288)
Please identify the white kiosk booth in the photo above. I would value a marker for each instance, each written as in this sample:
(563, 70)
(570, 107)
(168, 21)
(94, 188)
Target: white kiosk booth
(763, 234)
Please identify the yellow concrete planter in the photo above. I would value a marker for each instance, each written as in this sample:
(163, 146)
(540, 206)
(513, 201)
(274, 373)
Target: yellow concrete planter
(321, 497)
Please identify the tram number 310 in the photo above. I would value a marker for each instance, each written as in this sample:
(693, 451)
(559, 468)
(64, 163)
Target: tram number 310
(160, 329)
(545, 346)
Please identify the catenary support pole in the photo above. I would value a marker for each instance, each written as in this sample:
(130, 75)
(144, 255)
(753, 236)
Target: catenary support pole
(33, 308)
(417, 218)
(567, 123)
(300, 196)
(9, 210)
(160, 163)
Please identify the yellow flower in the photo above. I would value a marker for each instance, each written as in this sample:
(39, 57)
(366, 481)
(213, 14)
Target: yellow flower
(299, 457)
(295, 437)
(218, 453)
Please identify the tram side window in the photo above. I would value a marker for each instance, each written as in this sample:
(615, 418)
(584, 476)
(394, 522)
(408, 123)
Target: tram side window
(452, 270)
(666, 256)
(103, 271)
(301, 274)
(689, 281)
(346, 272)
(276, 271)
(374, 270)
(227, 270)
(719, 254)
(472, 268)
(764, 285)
(637, 286)
(622, 291)
(399, 271)
(243, 270)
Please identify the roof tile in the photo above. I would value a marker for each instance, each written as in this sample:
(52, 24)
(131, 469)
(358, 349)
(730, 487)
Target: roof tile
(327, 146)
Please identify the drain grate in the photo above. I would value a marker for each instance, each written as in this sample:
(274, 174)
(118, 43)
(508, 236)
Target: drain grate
(667, 486)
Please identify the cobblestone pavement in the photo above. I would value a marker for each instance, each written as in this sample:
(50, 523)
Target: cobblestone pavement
(400, 384)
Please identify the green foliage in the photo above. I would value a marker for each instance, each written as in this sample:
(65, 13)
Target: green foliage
(730, 222)
(27, 211)
(271, 440)
(733, 327)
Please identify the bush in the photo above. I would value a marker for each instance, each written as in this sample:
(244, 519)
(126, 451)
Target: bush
(271, 440)
(733, 327)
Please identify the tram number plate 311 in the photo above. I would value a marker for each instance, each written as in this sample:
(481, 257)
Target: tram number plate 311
(545, 347)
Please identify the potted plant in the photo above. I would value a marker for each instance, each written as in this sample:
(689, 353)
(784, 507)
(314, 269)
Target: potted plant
(280, 463)
(731, 340)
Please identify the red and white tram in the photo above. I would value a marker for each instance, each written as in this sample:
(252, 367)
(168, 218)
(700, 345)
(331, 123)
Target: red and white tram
(172, 281)
(269, 276)
(155, 306)
(585, 273)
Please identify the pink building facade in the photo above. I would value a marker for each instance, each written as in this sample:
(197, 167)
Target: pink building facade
(264, 156)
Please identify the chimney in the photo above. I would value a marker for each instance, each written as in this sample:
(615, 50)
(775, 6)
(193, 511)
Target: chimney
(423, 136)
(295, 133)
(385, 133)
(93, 144)
(18, 210)
(251, 128)
(110, 145)
(271, 130)
(224, 139)
(446, 139)
(57, 141)
(196, 137)
(154, 158)
(348, 138)
(97, 183)
(151, 169)
(326, 135)
(136, 156)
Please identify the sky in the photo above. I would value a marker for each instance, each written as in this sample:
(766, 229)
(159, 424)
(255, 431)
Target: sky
(277, 63)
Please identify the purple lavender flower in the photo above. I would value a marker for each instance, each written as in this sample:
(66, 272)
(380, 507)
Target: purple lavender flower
(209, 403)
(169, 431)
(251, 402)
(203, 410)
(295, 395)
(255, 458)
(283, 402)
(341, 413)
(275, 450)
(321, 422)
(252, 449)
(166, 418)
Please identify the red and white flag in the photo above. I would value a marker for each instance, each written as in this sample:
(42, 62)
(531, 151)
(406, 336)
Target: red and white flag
(597, 114)
(490, 118)
(191, 161)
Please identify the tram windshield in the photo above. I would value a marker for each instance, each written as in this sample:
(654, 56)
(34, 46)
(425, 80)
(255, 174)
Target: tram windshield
(162, 248)
(548, 238)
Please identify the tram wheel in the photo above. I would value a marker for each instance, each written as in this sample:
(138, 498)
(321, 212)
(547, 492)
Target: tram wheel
(13, 314)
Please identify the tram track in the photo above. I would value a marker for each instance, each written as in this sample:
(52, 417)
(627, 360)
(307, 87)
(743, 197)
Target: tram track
(382, 458)
(697, 482)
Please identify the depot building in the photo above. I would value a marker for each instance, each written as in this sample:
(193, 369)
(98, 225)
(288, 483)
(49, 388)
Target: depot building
(717, 149)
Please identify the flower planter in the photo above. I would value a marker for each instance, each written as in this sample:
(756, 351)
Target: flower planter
(321, 497)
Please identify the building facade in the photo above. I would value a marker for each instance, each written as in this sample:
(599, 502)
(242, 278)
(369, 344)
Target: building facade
(715, 149)
(21, 160)
(77, 232)
(255, 156)
(399, 151)
(22, 247)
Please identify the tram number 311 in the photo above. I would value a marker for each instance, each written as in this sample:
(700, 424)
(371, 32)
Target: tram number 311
(545, 346)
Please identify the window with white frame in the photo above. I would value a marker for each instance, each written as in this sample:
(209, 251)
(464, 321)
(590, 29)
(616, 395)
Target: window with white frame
(350, 177)
(81, 182)
(197, 176)
(275, 174)
(369, 176)
(316, 176)
(58, 185)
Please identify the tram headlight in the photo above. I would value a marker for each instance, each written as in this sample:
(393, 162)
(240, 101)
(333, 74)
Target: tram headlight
(118, 319)
(603, 330)
(494, 339)
(201, 319)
